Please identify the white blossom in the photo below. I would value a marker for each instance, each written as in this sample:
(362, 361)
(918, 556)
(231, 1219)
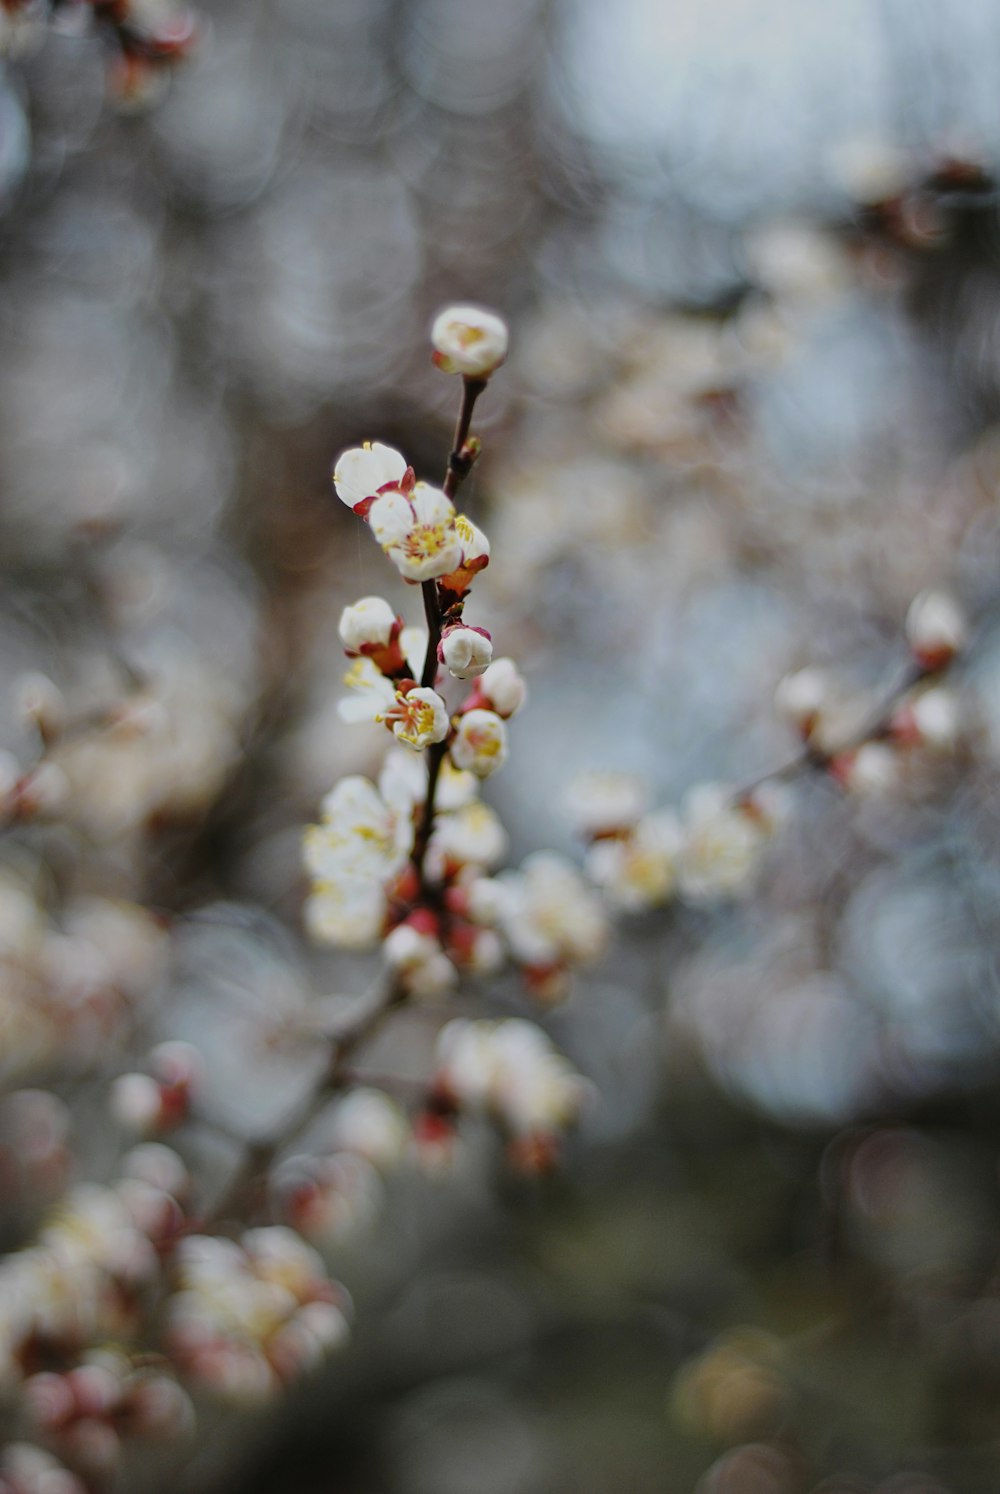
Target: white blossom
(475, 555)
(936, 628)
(417, 531)
(365, 471)
(503, 687)
(549, 915)
(418, 717)
(368, 621)
(937, 718)
(604, 803)
(465, 652)
(470, 836)
(723, 841)
(638, 870)
(469, 340)
(372, 1124)
(801, 697)
(480, 744)
(417, 957)
(509, 1069)
(360, 845)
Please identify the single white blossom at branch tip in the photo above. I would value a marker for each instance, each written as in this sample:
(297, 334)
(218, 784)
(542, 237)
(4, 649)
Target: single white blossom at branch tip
(936, 629)
(469, 340)
(480, 744)
(417, 531)
(604, 803)
(801, 697)
(368, 621)
(638, 870)
(465, 652)
(365, 471)
(502, 687)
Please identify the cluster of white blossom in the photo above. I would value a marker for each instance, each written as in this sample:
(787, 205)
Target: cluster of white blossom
(154, 1102)
(870, 753)
(335, 1189)
(642, 858)
(252, 1315)
(509, 1071)
(712, 848)
(72, 976)
(407, 861)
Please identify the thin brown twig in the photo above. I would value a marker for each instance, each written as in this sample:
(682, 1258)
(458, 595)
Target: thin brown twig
(366, 1015)
(811, 758)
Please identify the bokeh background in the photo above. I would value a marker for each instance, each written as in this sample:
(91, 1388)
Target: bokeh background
(749, 254)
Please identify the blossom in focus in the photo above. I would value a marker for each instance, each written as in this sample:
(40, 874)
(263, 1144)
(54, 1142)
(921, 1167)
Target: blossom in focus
(363, 472)
(480, 744)
(418, 716)
(367, 623)
(475, 556)
(638, 870)
(417, 531)
(465, 652)
(469, 340)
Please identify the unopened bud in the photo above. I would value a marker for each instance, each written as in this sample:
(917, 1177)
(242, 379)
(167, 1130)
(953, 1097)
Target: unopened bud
(368, 621)
(465, 652)
(469, 340)
(935, 629)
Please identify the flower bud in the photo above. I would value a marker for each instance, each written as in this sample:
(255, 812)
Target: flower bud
(935, 629)
(465, 652)
(872, 770)
(137, 1103)
(801, 698)
(503, 688)
(368, 622)
(480, 743)
(468, 340)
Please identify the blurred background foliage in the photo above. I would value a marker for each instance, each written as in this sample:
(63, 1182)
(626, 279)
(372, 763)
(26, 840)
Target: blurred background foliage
(749, 256)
